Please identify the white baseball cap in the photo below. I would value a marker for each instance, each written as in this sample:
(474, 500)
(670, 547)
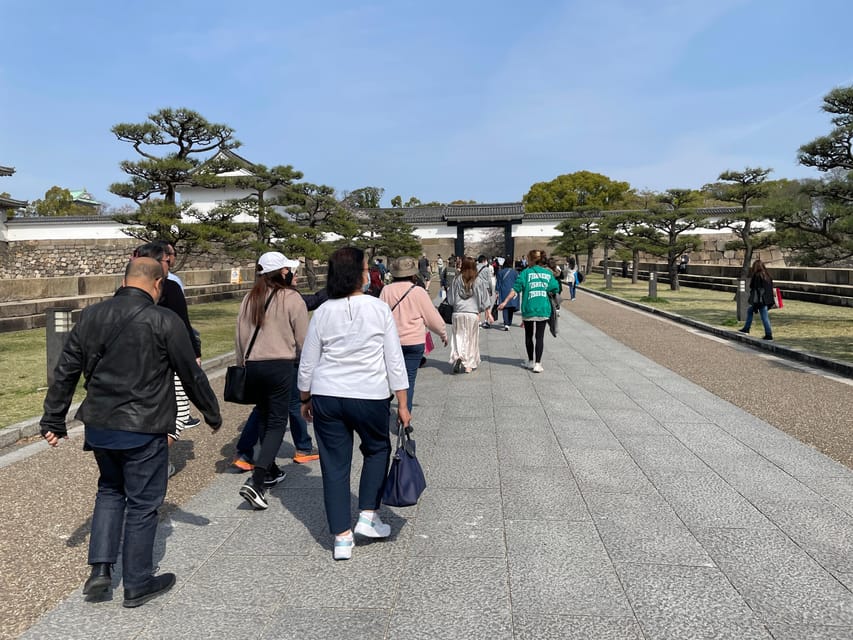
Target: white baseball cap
(273, 261)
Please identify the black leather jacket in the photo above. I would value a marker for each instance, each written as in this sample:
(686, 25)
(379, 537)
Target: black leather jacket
(132, 387)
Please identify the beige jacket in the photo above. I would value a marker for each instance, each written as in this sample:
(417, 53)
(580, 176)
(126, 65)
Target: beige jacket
(282, 332)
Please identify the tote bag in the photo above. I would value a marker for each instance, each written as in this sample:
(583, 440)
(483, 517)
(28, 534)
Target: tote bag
(405, 482)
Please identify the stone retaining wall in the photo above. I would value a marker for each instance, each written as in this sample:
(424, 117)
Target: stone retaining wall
(57, 258)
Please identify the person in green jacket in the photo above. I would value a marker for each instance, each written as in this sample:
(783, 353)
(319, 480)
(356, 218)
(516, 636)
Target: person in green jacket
(534, 285)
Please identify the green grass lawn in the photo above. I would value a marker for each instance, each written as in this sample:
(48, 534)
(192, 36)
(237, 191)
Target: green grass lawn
(817, 328)
(23, 376)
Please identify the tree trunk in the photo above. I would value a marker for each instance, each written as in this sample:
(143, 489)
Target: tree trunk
(588, 261)
(310, 274)
(673, 274)
(635, 266)
(747, 250)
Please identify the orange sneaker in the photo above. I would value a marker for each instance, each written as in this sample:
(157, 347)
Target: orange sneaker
(242, 463)
(302, 457)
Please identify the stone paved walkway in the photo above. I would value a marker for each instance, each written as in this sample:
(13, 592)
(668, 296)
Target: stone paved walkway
(604, 498)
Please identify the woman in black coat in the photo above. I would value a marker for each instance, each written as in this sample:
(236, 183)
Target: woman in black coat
(760, 298)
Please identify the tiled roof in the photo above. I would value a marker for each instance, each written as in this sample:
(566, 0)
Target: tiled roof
(11, 203)
(512, 211)
(6, 171)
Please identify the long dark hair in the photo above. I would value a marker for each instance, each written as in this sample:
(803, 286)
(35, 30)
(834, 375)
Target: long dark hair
(265, 284)
(468, 272)
(346, 272)
(760, 270)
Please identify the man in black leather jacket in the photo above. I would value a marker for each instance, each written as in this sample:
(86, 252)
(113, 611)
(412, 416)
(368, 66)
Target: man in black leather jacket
(127, 349)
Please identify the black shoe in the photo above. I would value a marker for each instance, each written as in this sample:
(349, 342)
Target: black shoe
(99, 580)
(423, 363)
(191, 422)
(254, 495)
(457, 366)
(767, 337)
(743, 331)
(156, 586)
(274, 476)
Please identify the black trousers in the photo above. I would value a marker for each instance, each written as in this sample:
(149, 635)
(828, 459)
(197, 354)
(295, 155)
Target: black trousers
(271, 381)
(539, 327)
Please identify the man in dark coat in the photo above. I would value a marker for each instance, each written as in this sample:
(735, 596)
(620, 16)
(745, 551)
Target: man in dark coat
(127, 349)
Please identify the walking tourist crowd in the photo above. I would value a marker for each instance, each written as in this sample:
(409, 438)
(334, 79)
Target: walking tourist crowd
(339, 368)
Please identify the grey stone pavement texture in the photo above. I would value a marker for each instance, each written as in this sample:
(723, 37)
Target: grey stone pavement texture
(606, 498)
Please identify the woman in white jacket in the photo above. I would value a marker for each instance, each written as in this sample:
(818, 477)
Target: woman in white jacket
(350, 360)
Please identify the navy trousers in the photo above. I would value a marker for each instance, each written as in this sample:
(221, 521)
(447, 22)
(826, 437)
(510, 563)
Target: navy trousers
(335, 421)
(131, 488)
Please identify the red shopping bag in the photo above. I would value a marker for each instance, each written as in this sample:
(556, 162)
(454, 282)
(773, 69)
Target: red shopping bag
(777, 295)
(428, 344)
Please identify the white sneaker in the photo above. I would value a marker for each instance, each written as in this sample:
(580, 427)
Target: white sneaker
(530, 364)
(372, 527)
(537, 368)
(343, 548)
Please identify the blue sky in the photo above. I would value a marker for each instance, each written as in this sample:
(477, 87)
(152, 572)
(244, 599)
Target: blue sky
(441, 100)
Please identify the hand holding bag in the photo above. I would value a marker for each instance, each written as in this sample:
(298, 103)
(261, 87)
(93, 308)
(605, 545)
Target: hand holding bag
(405, 482)
(236, 390)
(445, 310)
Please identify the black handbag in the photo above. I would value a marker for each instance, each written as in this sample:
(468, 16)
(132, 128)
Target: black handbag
(445, 309)
(236, 390)
(405, 482)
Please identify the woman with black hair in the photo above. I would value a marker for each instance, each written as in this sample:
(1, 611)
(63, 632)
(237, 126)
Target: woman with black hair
(760, 298)
(351, 363)
(276, 315)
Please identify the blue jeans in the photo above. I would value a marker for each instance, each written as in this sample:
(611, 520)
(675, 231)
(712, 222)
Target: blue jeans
(412, 354)
(765, 319)
(508, 313)
(573, 285)
(131, 488)
(335, 420)
(298, 427)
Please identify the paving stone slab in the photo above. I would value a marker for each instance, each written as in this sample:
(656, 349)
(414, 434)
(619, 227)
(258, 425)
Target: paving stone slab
(809, 632)
(778, 580)
(631, 422)
(415, 624)
(105, 619)
(180, 620)
(465, 585)
(688, 602)
(531, 493)
(836, 490)
(459, 523)
(821, 529)
(607, 471)
(705, 500)
(530, 448)
(323, 623)
(575, 627)
(644, 528)
(662, 453)
(562, 568)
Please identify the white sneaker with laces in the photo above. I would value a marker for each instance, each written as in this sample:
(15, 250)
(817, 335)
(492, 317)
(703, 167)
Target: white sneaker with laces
(537, 368)
(371, 526)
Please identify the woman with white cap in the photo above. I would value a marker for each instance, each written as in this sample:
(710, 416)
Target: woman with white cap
(413, 312)
(273, 319)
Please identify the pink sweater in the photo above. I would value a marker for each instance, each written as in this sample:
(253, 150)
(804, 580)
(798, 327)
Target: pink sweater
(415, 311)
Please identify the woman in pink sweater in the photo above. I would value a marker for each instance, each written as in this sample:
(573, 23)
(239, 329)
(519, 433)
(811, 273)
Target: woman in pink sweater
(413, 311)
